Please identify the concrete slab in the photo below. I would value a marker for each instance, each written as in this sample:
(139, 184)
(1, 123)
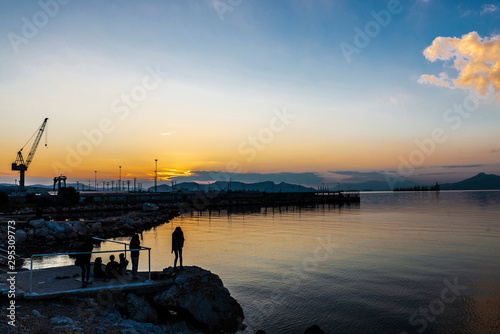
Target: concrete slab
(59, 281)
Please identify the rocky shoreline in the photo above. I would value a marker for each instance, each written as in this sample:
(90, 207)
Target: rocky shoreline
(40, 235)
(193, 301)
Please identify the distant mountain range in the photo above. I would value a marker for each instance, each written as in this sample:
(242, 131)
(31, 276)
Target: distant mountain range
(268, 186)
(481, 181)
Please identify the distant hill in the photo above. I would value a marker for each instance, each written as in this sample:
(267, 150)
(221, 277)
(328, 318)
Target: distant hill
(8, 188)
(268, 186)
(481, 181)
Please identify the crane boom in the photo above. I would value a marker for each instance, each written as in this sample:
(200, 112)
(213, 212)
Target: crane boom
(20, 164)
(35, 144)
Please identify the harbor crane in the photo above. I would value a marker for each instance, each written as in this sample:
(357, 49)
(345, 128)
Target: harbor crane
(20, 164)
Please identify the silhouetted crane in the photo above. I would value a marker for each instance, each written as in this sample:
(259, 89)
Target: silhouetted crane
(20, 164)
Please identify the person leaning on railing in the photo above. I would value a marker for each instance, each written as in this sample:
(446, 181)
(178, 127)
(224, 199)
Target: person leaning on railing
(83, 260)
(135, 243)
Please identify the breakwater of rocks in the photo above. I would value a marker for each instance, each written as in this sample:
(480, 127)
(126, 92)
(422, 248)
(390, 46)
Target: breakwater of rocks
(39, 235)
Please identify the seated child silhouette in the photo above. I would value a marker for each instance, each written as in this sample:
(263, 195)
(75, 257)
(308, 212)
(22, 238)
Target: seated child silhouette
(98, 272)
(112, 268)
(123, 264)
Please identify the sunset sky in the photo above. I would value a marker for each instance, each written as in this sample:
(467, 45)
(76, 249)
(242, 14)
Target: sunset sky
(340, 89)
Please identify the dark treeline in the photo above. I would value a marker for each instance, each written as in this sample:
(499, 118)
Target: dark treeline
(435, 187)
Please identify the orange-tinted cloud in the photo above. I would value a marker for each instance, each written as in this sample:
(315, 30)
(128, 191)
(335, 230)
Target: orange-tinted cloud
(476, 59)
(433, 80)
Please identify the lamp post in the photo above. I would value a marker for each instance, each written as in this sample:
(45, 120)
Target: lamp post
(95, 180)
(120, 180)
(156, 174)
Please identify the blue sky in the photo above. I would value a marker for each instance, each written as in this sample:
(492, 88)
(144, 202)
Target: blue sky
(229, 71)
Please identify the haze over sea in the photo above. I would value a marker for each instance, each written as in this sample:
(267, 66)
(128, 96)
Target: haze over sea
(401, 261)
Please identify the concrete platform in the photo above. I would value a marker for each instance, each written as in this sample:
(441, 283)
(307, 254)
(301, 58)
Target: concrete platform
(56, 282)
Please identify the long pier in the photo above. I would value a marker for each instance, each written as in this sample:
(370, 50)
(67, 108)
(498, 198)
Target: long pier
(224, 198)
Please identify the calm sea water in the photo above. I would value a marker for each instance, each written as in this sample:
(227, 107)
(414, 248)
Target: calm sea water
(398, 262)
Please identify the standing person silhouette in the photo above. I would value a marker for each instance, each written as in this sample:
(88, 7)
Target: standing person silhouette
(177, 244)
(84, 260)
(135, 243)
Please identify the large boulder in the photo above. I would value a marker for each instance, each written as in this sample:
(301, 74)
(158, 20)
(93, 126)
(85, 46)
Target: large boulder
(54, 226)
(50, 239)
(201, 296)
(21, 236)
(80, 229)
(31, 234)
(37, 223)
(140, 310)
(42, 232)
(126, 229)
(59, 236)
(96, 228)
(67, 227)
(137, 223)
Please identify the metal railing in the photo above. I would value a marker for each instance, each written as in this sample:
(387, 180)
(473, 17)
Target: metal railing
(116, 242)
(2, 250)
(97, 252)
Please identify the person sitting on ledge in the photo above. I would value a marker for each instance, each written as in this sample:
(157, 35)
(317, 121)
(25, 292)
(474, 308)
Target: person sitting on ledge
(98, 272)
(112, 268)
(123, 264)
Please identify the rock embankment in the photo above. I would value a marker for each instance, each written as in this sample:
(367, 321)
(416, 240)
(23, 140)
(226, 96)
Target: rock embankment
(199, 297)
(40, 234)
(195, 301)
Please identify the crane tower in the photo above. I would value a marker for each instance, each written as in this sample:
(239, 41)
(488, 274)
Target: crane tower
(20, 164)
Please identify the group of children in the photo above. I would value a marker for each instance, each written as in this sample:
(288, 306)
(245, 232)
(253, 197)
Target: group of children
(113, 269)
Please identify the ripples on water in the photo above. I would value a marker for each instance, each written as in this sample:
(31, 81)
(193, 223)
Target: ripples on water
(390, 256)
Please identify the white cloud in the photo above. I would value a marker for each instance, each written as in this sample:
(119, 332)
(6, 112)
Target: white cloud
(476, 59)
(485, 9)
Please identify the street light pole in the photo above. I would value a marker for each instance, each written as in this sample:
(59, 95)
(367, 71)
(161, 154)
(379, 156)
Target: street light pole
(95, 180)
(156, 174)
(120, 181)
